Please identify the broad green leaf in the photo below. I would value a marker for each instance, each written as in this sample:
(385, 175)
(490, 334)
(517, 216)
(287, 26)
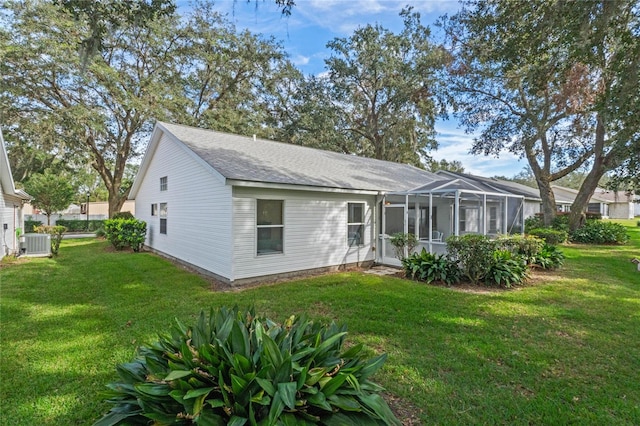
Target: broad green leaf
(197, 392)
(372, 366)
(238, 384)
(287, 393)
(334, 384)
(272, 351)
(266, 385)
(209, 418)
(152, 389)
(276, 408)
(177, 374)
(346, 403)
(237, 421)
(380, 407)
(319, 400)
(315, 374)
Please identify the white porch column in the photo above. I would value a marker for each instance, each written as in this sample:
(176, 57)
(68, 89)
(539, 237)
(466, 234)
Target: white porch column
(406, 221)
(506, 215)
(484, 214)
(456, 213)
(430, 223)
(383, 227)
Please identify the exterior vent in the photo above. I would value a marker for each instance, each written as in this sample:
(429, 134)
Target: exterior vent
(36, 245)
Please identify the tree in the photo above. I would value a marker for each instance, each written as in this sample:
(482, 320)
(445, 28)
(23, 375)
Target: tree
(100, 109)
(556, 82)
(377, 99)
(230, 81)
(51, 193)
(451, 166)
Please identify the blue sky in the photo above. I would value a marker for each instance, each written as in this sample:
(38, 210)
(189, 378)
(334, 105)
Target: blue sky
(313, 23)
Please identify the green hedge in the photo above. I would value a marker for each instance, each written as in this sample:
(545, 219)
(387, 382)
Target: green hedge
(31, 225)
(599, 232)
(549, 235)
(126, 233)
(78, 225)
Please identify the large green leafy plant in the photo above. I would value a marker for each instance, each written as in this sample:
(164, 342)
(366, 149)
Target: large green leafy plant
(233, 368)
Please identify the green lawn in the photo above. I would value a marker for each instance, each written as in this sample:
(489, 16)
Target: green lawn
(562, 350)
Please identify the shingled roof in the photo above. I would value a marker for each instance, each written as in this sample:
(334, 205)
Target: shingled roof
(242, 158)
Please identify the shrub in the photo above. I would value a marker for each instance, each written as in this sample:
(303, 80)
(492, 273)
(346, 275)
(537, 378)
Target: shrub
(123, 215)
(549, 235)
(125, 232)
(233, 368)
(428, 267)
(31, 225)
(56, 233)
(401, 240)
(533, 222)
(100, 232)
(526, 247)
(600, 232)
(550, 257)
(506, 269)
(473, 253)
(79, 224)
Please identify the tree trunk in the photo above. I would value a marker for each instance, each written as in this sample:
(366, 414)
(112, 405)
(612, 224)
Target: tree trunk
(116, 202)
(549, 208)
(577, 216)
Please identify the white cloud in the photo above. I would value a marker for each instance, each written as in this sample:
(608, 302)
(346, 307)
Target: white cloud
(299, 60)
(455, 144)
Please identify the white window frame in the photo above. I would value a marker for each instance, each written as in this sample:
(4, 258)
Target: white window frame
(154, 209)
(361, 223)
(163, 213)
(258, 227)
(164, 183)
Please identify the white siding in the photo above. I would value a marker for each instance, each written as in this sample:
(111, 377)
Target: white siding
(621, 210)
(11, 215)
(531, 208)
(198, 205)
(315, 232)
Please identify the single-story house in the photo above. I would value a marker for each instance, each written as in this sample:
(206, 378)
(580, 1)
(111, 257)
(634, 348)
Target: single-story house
(245, 209)
(609, 204)
(11, 202)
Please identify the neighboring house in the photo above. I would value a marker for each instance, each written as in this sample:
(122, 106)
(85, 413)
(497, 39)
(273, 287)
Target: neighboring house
(609, 204)
(98, 210)
(244, 209)
(11, 203)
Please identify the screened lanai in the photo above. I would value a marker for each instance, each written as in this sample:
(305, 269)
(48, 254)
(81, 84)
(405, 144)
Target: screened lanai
(436, 211)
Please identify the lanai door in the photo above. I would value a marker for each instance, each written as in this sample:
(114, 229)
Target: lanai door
(393, 222)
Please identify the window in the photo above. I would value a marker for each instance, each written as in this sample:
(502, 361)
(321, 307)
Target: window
(355, 224)
(163, 183)
(154, 209)
(493, 220)
(163, 218)
(469, 217)
(270, 226)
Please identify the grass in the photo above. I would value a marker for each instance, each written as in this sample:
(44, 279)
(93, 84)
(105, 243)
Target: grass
(563, 350)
